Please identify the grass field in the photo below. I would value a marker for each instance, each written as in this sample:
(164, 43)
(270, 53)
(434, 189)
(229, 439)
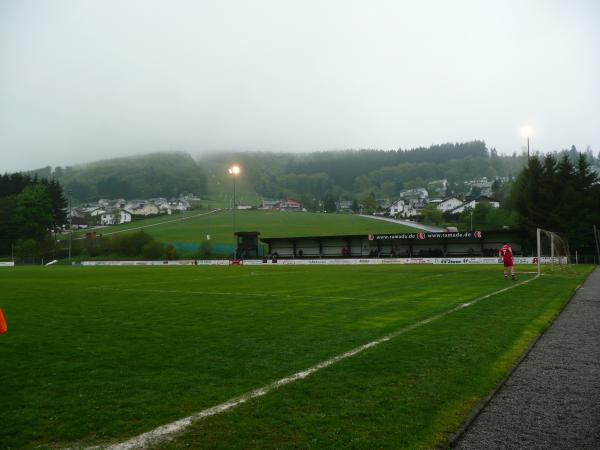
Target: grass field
(270, 224)
(95, 355)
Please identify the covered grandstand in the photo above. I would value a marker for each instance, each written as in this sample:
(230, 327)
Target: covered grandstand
(400, 245)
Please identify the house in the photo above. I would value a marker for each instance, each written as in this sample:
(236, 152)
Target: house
(417, 196)
(165, 208)
(118, 216)
(383, 203)
(289, 205)
(77, 217)
(438, 187)
(96, 211)
(449, 204)
(119, 203)
(473, 204)
(483, 185)
(397, 208)
(179, 205)
(410, 210)
(268, 204)
(144, 209)
(344, 205)
(405, 209)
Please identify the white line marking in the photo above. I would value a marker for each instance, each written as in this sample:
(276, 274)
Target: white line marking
(155, 224)
(165, 432)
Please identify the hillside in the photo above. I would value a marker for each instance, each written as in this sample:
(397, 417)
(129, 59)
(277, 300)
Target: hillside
(314, 177)
(193, 227)
(152, 175)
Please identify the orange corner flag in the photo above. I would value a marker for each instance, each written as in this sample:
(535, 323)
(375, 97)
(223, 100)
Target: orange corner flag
(3, 327)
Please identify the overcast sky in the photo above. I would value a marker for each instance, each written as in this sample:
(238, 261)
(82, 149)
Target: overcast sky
(84, 80)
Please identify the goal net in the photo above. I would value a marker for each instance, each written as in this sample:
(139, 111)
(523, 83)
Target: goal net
(552, 251)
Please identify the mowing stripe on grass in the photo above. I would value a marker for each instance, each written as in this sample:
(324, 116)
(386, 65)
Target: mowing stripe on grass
(238, 294)
(167, 431)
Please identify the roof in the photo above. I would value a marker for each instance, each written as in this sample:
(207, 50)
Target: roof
(416, 235)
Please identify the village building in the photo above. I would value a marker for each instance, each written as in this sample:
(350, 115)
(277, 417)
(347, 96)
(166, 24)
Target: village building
(344, 205)
(269, 204)
(144, 209)
(472, 204)
(289, 205)
(116, 217)
(449, 204)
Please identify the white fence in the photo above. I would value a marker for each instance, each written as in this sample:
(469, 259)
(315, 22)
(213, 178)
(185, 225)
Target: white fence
(6, 263)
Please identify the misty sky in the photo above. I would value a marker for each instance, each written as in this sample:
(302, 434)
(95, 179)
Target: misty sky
(83, 80)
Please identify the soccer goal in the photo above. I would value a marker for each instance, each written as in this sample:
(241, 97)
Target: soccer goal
(552, 251)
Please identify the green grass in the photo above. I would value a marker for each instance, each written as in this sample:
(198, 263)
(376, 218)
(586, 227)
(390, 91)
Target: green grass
(270, 224)
(99, 354)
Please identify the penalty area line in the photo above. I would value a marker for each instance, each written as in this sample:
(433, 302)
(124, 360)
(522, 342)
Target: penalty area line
(167, 431)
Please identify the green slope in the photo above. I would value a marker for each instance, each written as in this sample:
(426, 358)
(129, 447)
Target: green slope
(219, 226)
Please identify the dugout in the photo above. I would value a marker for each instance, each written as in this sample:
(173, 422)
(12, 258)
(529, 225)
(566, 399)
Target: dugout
(401, 245)
(246, 244)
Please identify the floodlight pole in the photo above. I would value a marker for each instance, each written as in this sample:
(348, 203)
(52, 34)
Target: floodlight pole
(234, 171)
(70, 225)
(234, 203)
(528, 156)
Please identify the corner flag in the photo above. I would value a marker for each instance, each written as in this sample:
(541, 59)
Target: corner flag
(3, 327)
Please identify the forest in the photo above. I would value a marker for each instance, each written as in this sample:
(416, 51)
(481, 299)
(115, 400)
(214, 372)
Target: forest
(31, 211)
(154, 175)
(354, 174)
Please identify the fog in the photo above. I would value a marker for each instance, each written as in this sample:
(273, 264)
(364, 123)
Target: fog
(84, 80)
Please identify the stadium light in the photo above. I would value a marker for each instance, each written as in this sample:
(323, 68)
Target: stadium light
(70, 225)
(234, 171)
(526, 132)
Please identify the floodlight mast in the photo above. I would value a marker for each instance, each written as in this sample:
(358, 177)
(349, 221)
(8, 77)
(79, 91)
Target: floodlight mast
(70, 225)
(234, 172)
(526, 131)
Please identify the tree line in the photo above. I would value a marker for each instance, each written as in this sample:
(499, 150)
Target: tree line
(559, 192)
(30, 208)
(156, 175)
(318, 177)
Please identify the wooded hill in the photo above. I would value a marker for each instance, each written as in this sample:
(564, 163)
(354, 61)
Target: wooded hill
(352, 174)
(153, 175)
(311, 178)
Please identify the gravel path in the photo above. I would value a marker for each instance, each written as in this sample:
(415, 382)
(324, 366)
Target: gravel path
(552, 399)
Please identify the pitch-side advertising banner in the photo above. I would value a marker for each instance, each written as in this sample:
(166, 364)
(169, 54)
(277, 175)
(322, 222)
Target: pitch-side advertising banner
(340, 261)
(6, 263)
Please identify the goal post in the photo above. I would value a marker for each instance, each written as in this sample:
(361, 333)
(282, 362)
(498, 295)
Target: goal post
(552, 251)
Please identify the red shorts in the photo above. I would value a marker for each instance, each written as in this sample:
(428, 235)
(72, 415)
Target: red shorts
(508, 263)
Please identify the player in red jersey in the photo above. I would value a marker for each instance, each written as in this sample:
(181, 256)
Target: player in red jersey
(507, 257)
